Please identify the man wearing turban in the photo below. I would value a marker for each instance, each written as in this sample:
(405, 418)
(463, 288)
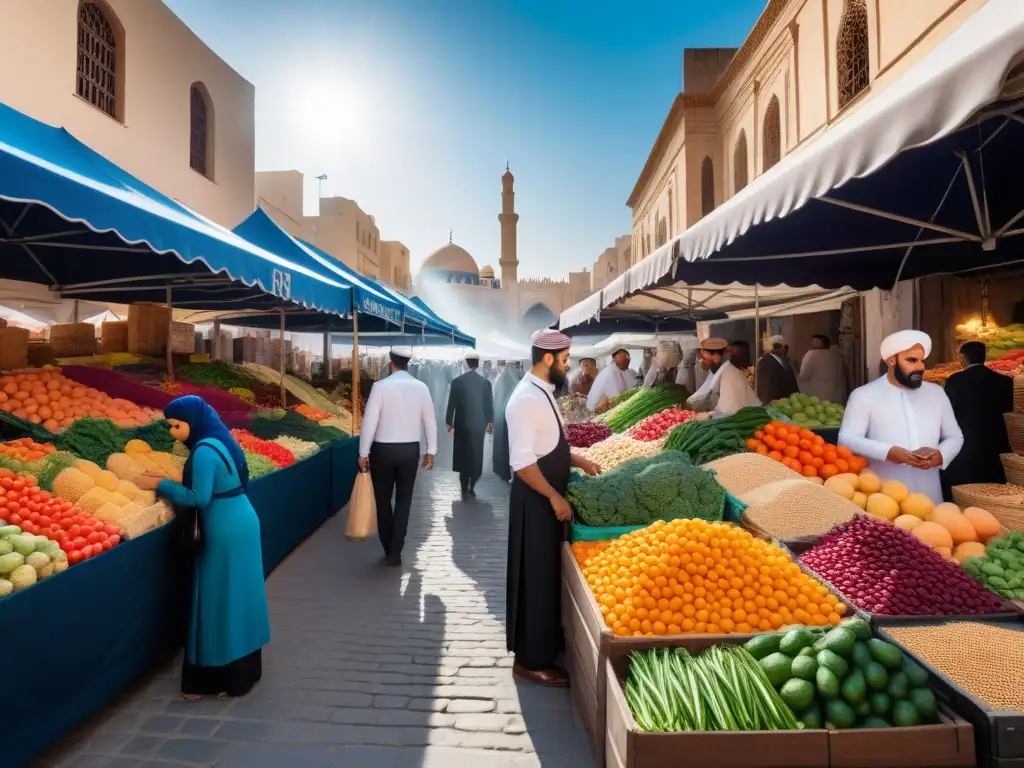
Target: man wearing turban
(903, 424)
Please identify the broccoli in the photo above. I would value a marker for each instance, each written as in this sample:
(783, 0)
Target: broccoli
(640, 491)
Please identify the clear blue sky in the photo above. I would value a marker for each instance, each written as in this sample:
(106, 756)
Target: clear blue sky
(412, 106)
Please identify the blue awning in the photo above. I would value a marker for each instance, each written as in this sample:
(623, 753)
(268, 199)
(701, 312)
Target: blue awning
(71, 219)
(418, 310)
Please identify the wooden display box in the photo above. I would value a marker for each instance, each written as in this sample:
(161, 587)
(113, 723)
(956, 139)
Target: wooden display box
(947, 743)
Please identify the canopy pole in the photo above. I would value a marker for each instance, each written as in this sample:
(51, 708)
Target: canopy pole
(74, 311)
(757, 325)
(356, 419)
(327, 352)
(284, 389)
(170, 323)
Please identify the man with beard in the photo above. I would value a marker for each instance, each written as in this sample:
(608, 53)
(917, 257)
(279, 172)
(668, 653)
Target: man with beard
(726, 389)
(775, 377)
(538, 514)
(904, 425)
(470, 414)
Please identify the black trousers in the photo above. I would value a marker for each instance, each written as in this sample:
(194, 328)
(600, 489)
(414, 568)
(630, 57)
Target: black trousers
(393, 471)
(468, 481)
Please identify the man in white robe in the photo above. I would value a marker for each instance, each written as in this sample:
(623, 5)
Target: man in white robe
(614, 379)
(726, 389)
(902, 424)
(821, 371)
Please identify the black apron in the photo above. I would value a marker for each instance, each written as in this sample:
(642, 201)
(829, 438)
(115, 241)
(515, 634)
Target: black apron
(533, 625)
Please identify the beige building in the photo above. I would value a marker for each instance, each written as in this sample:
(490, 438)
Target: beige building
(342, 228)
(804, 66)
(451, 281)
(611, 263)
(130, 80)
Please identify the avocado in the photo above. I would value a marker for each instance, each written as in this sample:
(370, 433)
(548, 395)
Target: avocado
(898, 687)
(839, 640)
(863, 709)
(811, 718)
(860, 655)
(904, 714)
(876, 676)
(875, 722)
(880, 703)
(809, 652)
(854, 687)
(804, 667)
(886, 654)
(834, 662)
(924, 702)
(798, 694)
(826, 682)
(762, 645)
(840, 714)
(778, 667)
(917, 674)
(794, 642)
(860, 627)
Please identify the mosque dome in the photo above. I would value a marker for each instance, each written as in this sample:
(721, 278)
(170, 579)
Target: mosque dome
(451, 258)
(487, 272)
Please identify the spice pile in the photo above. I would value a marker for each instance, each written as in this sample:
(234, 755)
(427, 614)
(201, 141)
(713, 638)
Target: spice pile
(743, 472)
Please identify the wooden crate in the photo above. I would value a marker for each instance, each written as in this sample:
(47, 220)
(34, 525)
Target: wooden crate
(147, 328)
(73, 339)
(13, 348)
(114, 337)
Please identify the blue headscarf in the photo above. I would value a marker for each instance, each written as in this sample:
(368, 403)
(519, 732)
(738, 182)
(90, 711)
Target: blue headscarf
(205, 423)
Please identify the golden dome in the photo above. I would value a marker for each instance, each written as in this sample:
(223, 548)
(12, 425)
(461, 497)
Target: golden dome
(451, 258)
(487, 272)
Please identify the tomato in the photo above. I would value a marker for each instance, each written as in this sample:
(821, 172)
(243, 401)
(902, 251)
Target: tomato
(94, 537)
(74, 556)
(14, 519)
(110, 530)
(35, 517)
(107, 545)
(46, 521)
(115, 539)
(74, 529)
(79, 542)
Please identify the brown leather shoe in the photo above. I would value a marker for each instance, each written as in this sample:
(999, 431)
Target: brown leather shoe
(552, 677)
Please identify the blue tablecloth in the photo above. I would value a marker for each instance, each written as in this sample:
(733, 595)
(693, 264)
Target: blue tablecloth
(74, 641)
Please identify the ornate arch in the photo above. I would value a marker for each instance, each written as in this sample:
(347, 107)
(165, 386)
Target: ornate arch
(97, 67)
(201, 138)
(739, 162)
(853, 72)
(707, 186)
(772, 134)
(539, 315)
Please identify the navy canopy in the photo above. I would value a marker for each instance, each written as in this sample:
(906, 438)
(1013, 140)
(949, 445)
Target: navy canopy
(418, 313)
(73, 220)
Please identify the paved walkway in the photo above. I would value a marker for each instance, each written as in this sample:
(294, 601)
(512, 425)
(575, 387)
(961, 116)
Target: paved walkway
(369, 666)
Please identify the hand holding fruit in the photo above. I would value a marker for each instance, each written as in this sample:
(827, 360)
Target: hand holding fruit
(147, 481)
(899, 455)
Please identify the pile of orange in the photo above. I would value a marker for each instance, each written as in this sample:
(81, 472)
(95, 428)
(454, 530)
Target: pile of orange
(805, 452)
(26, 449)
(692, 576)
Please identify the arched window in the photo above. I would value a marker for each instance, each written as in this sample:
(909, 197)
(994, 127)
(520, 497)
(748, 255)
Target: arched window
(96, 74)
(852, 69)
(707, 187)
(772, 134)
(201, 131)
(739, 163)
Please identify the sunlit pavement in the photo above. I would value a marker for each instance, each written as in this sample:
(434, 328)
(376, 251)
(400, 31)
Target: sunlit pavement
(369, 666)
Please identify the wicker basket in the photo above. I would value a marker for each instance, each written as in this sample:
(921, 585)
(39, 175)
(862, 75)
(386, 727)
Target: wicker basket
(1013, 466)
(147, 328)
(1015, 431)
(40, 353)
(114, 337)
(13, 348)
(1005, 502)
(1018, 394)
(73, 339)
(183, 338)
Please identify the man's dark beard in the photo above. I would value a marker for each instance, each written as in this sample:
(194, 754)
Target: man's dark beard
(556, 377)
(910, 381)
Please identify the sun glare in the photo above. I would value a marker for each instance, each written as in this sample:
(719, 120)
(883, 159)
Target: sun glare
(331, 113)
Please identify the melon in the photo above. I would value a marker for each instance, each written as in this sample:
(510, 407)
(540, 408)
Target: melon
(907, 522)
(918, 505)
(895, 490)
(985, 525)
(950, 518)
(934, 535)
(968, 549)
(860, 499)
(882, 506)
(868, 483)
(840, 486)
(849, 477)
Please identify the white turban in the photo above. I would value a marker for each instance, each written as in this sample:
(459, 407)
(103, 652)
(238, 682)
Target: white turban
(901, 341)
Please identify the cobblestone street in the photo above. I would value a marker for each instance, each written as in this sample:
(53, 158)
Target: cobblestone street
(369, 666)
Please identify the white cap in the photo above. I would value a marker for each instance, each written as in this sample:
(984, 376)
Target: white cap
(471, 355)
(405, 352)
(901, 341)
(778, 339)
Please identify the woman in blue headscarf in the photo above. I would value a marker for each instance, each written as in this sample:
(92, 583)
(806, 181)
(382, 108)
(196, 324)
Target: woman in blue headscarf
(229, 623)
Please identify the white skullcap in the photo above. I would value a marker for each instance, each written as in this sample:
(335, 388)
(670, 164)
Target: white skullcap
(405, 352)
(779, 339)
(901, 341)
(553, 341)
(471, 355)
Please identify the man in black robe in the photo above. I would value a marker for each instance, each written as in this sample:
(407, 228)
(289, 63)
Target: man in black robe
(538, 514)
(775, 377)
(979, 397)
(470, 414)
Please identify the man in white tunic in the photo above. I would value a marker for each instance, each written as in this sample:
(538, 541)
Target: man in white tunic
(903, 424)
(726, 389)
(614, 379)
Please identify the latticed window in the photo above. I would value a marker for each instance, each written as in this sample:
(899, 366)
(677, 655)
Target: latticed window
(772, 134)
(707, 187)
(199, 132)
(739, 163)
(96, 80)
(852, 51)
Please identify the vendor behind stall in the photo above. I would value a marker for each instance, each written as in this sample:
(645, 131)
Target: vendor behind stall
(902, 423)
(666, 368)
(775, 376)
(583, 380)
(725, 390)
(613, 380)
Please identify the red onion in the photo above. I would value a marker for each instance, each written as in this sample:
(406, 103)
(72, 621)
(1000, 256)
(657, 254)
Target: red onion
(584, 435)
(884, 569)
(660, 424)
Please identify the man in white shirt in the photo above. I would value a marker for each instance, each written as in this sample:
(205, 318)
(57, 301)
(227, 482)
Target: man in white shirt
(614, 379)
(538, 511)
(821, 372)
(904, 425)
(726, 389)
(399, 412)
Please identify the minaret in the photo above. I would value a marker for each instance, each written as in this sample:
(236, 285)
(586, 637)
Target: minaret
(508, 219)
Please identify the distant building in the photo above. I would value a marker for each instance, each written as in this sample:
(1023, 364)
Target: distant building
(613, 262)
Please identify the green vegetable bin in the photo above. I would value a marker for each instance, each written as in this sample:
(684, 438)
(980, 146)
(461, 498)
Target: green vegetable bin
(732, 512)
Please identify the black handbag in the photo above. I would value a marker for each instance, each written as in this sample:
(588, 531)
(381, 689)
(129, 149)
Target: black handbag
(190, 537)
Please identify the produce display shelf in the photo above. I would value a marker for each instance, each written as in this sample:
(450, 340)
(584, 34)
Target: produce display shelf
(999, 735)
(950, 742)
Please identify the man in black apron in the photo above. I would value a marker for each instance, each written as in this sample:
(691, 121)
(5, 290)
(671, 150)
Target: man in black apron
(538, 513)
